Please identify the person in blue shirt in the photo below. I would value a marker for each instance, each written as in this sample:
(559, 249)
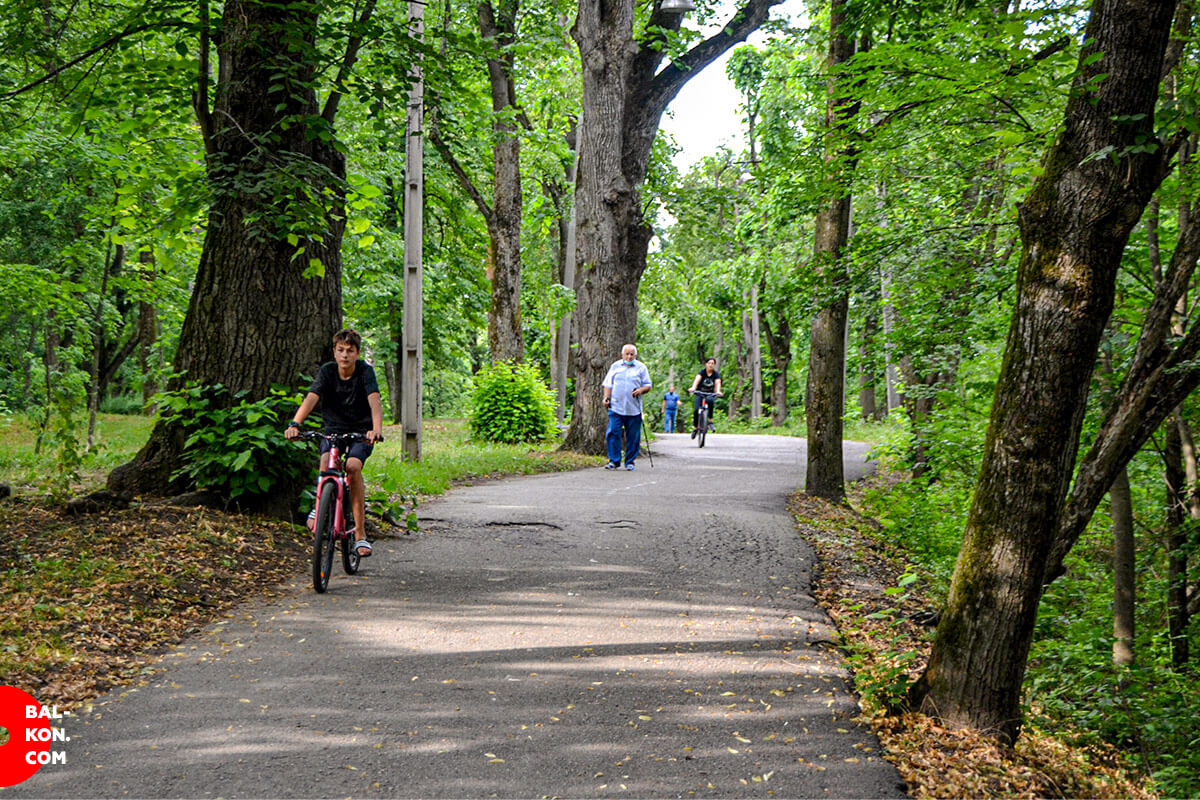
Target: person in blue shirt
(627, 380)
(670, 405)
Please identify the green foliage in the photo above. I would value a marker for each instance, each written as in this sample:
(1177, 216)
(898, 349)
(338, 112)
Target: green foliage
(60, 436)
(511, 404)
(234, 446)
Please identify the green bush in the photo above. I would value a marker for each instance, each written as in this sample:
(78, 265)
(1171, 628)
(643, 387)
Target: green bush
(123, 404)
(510, 404)
(235, 447)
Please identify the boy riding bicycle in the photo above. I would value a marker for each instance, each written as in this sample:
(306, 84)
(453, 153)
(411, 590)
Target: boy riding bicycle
(348, 393)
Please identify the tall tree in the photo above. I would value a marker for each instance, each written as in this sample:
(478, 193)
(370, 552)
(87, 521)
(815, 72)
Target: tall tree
(625, 93)
(1098, 178)
(267, 294)
(825, 397)
(498, 28)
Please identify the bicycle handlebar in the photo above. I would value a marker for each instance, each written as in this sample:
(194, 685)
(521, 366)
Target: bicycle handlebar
(312, 436)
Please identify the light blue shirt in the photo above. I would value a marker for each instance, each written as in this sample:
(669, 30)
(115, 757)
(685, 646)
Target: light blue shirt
(623, 380)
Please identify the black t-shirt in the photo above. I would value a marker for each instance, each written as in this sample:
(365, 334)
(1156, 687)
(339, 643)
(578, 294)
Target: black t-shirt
(708, 383)
(344, 405)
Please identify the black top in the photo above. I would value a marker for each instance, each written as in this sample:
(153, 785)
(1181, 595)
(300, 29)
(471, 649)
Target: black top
(708, 383)
(344, 405)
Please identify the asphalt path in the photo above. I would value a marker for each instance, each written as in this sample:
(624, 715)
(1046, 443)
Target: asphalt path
(587, 634)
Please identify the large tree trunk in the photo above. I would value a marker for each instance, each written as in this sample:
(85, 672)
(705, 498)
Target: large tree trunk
(825, 405)
(253, 320)
(1074, 227)
(624, 96)
(505, 338)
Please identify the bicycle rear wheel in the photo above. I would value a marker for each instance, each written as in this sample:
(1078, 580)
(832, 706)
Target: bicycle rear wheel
(322, 559)
(702, 425)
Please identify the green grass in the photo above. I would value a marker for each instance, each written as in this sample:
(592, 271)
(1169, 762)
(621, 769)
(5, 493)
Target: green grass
(448, 455)
(118, 437)
(855, 430)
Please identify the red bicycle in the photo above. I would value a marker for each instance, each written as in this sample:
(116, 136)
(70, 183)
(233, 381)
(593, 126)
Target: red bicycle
(333, 500)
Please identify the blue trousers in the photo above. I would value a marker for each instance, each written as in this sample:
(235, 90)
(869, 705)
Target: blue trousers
(670, 419)
(631, 426)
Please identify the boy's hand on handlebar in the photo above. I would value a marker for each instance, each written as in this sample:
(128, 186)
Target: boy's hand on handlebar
(291, 432)
(374, 436)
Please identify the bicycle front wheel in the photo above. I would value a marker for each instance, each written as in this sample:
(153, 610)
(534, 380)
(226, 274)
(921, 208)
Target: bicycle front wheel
(702, 425)
(322, 558)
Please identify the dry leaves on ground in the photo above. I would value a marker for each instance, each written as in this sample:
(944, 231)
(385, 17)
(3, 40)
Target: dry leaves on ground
(88, 601)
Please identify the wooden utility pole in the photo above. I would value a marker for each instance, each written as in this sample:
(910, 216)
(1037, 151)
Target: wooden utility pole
(414, 203)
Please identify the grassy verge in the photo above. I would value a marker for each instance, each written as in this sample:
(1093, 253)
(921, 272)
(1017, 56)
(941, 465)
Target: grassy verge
(450, 457)
(90, 601)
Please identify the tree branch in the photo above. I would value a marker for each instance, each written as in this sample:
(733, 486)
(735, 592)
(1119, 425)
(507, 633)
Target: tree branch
(671, 78)
(353, 44)
(1158, 381)
(84, 56)
(464, 179)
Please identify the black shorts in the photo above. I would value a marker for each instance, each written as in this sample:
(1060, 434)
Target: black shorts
(359, 450)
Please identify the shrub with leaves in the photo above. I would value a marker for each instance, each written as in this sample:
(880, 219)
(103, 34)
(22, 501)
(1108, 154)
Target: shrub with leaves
(234, 447)
(510, 404)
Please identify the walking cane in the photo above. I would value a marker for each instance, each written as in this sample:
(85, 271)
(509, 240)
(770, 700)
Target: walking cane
(647, 441)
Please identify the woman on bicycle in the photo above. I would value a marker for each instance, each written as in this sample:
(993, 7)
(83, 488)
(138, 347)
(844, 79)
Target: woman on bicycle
(707, 380)
(348, 393)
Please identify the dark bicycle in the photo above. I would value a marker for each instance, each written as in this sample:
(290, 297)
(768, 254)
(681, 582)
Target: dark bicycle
(704, 415)
(333, 499)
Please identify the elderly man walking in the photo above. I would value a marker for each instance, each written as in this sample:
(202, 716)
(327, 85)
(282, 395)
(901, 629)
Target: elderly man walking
(627, 380)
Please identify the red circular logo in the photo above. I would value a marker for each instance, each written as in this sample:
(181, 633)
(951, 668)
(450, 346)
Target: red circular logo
(24, 736)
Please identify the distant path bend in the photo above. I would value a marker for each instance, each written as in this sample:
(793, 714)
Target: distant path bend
(586, 634)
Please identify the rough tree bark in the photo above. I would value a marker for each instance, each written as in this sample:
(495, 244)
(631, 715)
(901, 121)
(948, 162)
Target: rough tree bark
(624, 97)
(1074, 227)
(825, 404)
(253, 320)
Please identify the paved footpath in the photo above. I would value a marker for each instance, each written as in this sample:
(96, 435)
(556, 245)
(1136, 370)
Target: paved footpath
(585, 634)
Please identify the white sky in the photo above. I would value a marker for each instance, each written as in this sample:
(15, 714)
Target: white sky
(706, 114)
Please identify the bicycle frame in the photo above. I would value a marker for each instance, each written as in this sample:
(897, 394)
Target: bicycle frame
(335, 472)
(704, 412)
(330, 530)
